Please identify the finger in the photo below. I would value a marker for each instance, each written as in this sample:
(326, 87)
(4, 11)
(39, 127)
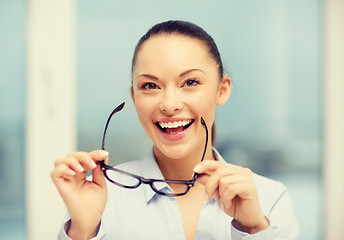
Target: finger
(228, 199)
(62, 171)
(206, 166)
(85, 159)
(228, 189)
(203, 179)
(214, 180)
(99, 155)
(242, 176)
(210, 166)
(71, 162)
(226, 181)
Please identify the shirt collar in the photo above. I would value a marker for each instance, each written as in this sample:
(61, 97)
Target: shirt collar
(150, 169)
(217, 155)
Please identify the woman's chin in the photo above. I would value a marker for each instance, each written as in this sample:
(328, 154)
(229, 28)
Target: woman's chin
(171, 152)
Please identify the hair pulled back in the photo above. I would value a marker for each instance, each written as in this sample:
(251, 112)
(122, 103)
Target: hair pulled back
(185, 29)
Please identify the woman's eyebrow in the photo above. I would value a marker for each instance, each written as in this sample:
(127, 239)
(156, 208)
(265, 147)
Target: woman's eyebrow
(180, 75)
(188, 71)
(148, 76)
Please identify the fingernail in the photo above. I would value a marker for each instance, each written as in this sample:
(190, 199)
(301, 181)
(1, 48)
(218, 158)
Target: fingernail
(93, 164)
(71, 172)
(80, 168)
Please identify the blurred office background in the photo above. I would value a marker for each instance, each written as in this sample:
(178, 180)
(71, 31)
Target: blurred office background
(64, 65)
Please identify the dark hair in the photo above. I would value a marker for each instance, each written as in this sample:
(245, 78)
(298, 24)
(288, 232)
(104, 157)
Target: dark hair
(182, 28)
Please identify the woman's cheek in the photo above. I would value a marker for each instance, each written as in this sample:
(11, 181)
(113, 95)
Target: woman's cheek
(203, 103)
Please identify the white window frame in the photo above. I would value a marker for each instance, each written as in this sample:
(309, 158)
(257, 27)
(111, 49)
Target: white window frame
(51, 112)
(333, 119)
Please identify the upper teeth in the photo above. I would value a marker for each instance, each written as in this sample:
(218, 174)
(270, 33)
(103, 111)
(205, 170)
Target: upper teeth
(174, 124)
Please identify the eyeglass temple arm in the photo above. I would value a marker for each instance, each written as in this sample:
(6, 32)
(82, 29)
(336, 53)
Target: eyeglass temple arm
(205, 147)
(117, 109)
(206, 137)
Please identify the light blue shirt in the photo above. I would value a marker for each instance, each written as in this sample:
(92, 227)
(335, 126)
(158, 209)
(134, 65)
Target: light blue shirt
(143, 214)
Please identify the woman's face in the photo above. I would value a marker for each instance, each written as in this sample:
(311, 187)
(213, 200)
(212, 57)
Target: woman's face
(175, 83)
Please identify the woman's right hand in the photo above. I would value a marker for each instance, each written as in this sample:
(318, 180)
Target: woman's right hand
(85, 200)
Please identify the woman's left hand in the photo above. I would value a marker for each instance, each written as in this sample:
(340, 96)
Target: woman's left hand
(234, 190)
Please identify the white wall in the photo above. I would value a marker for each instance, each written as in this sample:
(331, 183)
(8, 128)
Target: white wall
(334, 119)
(50, 108)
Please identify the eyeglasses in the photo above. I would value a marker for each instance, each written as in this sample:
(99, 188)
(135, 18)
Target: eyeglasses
(128, 180)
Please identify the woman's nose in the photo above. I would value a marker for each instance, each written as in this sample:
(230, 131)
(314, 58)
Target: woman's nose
(170, 103)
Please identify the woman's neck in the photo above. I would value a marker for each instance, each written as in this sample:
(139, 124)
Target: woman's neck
(181, 168)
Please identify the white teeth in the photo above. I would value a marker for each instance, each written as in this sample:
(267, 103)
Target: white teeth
(174, 124)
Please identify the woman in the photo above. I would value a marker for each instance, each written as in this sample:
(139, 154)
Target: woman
(177, 82)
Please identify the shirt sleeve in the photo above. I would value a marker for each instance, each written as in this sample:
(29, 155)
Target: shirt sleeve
(283, 223)
(65, 227)
(63, 232)
(237, 234)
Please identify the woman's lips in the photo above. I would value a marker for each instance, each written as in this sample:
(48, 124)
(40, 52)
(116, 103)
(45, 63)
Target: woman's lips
(174, 129)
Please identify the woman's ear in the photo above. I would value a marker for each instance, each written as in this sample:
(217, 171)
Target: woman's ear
(132, 94)
(224, 90)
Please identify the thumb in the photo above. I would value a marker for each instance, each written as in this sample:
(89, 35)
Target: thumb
(98, 176)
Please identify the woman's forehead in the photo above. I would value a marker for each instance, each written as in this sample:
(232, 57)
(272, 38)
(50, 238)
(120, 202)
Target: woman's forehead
(173, 51)
(173, 42)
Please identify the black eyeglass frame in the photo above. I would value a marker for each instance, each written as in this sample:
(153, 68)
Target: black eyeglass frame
(141, 180)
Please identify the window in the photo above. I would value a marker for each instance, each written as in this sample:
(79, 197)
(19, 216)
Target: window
(12, 117)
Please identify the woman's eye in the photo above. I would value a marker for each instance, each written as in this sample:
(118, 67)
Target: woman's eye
(149, 86)
(191, 82)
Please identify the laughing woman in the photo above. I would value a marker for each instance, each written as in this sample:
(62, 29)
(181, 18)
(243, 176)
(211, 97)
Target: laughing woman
(183, 188)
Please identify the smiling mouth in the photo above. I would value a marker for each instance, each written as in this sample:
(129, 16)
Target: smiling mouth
(174, 127)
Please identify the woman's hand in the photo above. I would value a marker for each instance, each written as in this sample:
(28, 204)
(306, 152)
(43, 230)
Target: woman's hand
(235, 192)
(85, 200)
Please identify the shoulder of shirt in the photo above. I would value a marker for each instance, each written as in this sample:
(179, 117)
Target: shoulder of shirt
(269, 191)
(268, 183)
